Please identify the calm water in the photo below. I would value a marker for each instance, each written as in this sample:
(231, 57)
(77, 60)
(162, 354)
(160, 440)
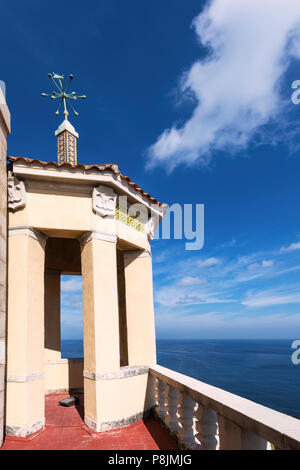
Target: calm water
(260, 370)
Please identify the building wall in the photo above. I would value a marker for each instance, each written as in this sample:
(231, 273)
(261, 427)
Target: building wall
(4, 130)
(63, 375)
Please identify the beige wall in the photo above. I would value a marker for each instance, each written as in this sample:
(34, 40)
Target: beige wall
(64, 375)
(4, 130)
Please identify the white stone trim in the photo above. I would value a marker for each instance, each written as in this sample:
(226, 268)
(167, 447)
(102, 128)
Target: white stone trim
(63, 360)
(66, 126)
(25, 378)
(58, 391)
(107, 237)
(123, 373)
(137, 254)
(108, 426)
(18, 230)
(23, 431)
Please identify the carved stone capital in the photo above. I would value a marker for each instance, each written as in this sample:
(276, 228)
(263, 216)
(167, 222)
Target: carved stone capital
(16, 193)
(104, 200)
(106, 237)
(27, 230)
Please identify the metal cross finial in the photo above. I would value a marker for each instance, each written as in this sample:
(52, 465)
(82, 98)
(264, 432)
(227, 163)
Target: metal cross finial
(63, 94)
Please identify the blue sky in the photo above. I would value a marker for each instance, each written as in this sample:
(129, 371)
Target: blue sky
(193, 101)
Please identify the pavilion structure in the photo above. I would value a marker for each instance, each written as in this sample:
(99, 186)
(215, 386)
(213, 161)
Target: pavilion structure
(69, 218)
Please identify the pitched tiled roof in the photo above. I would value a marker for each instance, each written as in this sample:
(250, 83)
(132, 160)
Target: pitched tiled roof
(106, 166)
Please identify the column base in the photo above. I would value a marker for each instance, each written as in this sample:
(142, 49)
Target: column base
(24, 431)
(109, 426)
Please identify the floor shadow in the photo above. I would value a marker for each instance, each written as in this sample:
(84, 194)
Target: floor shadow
(159, 434)
(80, 405)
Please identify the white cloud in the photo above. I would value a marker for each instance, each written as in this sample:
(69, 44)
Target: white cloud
(292, 247)
(229, 244)
(186, 295)
(264, 264)
(271, 297)
(235, 86)
(208, 262)
(267, 263)
(191, 281)
(71, 285)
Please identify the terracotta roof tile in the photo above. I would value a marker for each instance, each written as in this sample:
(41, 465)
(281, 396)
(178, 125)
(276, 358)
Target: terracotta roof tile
(106, 166)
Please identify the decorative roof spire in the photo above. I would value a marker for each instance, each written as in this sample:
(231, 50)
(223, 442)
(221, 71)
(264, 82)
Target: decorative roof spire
(66, 134)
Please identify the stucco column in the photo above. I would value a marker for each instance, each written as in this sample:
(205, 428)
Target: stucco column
(25, 342)
(100, 321)
(4, 130)
(139, 308)
(52, 315)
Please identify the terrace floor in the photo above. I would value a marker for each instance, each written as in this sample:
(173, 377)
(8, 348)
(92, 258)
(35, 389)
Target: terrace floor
(65, 430)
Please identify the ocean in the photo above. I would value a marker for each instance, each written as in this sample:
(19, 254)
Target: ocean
(260, 370)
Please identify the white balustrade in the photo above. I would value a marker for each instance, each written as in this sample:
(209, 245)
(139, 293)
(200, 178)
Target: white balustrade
(207, 428)
(172, 409)
(205, 417)
(186, 418)
(161, 398)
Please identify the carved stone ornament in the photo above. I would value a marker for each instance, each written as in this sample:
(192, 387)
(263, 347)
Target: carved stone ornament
(104, 200)
(151, 229)
(16, 193)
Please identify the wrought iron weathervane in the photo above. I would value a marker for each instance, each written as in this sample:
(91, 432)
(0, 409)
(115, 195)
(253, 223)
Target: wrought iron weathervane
(63, 94)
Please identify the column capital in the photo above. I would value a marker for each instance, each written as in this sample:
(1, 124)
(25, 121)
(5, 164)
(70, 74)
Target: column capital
(18, 230)
(137, 254)
(107, 237)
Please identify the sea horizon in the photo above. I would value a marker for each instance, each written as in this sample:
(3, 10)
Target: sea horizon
(260, 370)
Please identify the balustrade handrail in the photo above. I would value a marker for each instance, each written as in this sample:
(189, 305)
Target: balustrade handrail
(281, 430)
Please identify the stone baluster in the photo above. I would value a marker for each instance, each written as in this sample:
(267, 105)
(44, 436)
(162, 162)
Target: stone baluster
(186, 419)
(207, 428)
(172, 408)
(161, 398)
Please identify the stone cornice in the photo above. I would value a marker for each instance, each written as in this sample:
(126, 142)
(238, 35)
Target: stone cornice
(81, 176)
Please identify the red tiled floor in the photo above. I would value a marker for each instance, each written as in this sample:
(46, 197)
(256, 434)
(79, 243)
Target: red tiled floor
(65, 430)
